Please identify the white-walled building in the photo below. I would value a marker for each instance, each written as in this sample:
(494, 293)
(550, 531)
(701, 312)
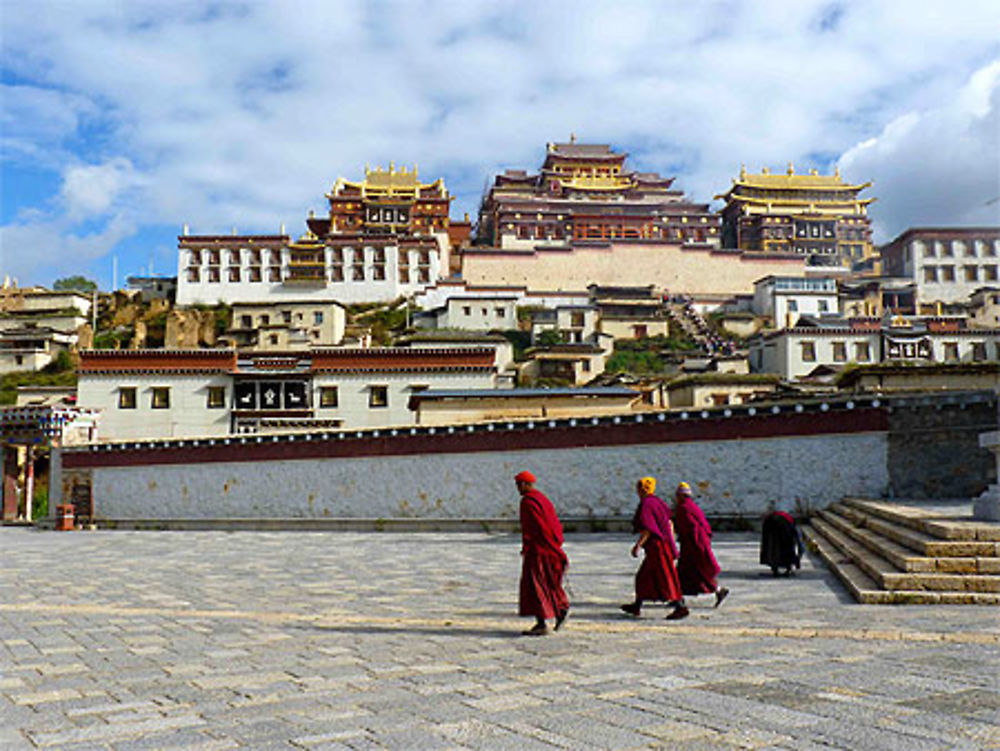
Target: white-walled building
(784, 298)
(948, 264)
(178, 393)
(287, 325)
(272, 269)
(576, 323)
(797, 351)
(473, 313)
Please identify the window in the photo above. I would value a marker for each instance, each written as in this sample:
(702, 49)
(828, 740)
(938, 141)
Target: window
(946, 249)
(862, 352)
(246, 322)
(808, 352)
(286, 316)
(793, 306)
(161, 397)
(501, 313)
(19, 359)
(990, 273)
(930, 273)
(839, 351)
(265, 319)
(273, 339)
(126, 397)
(378, 396)
(467, 310)
(950, 351)
(328, 397)
(216, 397)
(822, 306)
(971, 273)
(317, 317)
(979, 351)
(947, 273)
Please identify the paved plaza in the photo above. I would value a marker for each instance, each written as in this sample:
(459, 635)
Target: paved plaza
(281, 640)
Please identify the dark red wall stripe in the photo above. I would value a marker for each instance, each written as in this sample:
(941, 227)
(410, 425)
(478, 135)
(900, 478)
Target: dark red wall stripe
(257, 448)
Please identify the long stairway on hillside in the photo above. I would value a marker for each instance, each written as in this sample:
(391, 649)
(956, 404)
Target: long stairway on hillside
(892, 553)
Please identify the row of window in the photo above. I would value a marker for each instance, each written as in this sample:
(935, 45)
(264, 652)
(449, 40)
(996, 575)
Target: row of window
(862, 351)
(356, 273)
(264, 319)
(255, 258)
(968, 249)
(215, 398)
(970, 273)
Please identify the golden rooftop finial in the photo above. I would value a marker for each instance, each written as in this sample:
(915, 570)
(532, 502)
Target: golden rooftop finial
(743, 172)
(836, 171)
(392, 168)
(791, 168)
(572, 137)
(765, 170)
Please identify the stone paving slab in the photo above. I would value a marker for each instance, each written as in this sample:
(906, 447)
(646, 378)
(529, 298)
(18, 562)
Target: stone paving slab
(124, 641)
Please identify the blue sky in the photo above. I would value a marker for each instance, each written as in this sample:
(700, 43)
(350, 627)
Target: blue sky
(121, 122)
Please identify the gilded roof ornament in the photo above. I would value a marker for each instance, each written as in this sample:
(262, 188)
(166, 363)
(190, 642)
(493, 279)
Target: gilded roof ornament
(791, 169)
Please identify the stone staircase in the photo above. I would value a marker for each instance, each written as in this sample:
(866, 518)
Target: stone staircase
(891, 553)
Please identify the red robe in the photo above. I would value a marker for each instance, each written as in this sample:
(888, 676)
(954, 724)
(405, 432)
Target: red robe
(656, 578)
(543, 560)
(696, 568)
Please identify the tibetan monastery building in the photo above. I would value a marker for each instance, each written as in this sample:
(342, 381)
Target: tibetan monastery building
(585, 219)
(584, 192)
(820, 217)
(383, 237)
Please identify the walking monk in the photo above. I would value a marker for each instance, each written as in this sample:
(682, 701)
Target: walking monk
(543, 560)
(656, 579)
(696, 568)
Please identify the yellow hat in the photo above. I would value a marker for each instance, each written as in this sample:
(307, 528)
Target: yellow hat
(684, 489)
(647, 485)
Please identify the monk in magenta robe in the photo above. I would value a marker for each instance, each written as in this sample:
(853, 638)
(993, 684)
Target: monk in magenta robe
(696, 568)
(656, 578)
(543, 560)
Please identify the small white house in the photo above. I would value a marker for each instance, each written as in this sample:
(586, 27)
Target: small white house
(473, 314)
(784, 298)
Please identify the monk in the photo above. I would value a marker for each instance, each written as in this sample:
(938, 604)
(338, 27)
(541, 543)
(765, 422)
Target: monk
(780, 543)
(543, 560)
(696, 568)
(656, 579)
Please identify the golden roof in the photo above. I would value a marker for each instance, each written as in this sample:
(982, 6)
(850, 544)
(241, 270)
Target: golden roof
(789, 180)
(384, 183)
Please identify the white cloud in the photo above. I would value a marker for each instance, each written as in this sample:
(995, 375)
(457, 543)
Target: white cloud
(91, 190)
(245, 113)
(939, 166)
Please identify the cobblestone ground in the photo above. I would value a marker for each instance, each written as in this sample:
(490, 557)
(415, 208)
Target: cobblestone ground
(212, 640)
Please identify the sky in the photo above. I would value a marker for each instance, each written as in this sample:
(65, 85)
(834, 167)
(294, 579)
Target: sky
(121, 122)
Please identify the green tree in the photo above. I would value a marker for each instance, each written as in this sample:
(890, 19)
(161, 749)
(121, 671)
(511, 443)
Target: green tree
(74, 284)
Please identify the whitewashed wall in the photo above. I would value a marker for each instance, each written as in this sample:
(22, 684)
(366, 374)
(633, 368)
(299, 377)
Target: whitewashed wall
(729, 477)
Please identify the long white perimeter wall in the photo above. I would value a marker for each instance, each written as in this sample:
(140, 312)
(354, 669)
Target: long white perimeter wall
(740, 477)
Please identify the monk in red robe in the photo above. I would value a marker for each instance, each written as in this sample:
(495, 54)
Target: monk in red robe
(656, 579)
(543, 560)
(696, 568)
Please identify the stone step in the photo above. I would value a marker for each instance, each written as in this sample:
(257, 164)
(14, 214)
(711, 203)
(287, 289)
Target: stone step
(866, 591)
(945, 526)
(898, 555)
(887, 576)
(903, 557)
(920, 542)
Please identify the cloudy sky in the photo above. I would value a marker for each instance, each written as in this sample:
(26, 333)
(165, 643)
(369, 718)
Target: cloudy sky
(122, 121)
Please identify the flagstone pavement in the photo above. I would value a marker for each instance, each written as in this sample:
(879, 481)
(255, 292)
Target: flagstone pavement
(281, 640)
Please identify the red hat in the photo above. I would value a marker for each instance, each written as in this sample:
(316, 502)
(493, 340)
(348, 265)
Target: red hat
(526, 476)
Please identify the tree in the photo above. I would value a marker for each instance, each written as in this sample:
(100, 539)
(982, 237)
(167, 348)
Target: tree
(74, 284)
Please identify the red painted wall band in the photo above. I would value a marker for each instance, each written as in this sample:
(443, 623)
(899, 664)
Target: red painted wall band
(269, 447)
